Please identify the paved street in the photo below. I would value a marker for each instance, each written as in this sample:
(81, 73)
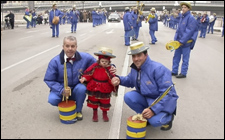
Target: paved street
(26, 114)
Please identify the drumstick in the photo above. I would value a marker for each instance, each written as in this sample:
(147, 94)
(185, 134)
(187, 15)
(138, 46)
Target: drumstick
(160, 97)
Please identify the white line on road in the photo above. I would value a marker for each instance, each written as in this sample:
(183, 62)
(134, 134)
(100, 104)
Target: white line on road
(44, 33)
(114, 131)
(83, 34)
(28, 58)
(24, 37)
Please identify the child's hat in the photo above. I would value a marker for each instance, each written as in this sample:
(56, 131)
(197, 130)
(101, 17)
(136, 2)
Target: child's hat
(105, 52)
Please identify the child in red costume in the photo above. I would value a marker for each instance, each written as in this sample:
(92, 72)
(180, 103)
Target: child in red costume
(99, 86)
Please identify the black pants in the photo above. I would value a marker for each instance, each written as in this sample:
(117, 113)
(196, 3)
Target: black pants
(11, 23)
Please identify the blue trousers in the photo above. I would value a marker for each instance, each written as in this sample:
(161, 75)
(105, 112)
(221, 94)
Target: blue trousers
(78, 94)
(203, 32)
(185, 52)
(127, 38)
(73, 26)
(152, 34)
(55, 29)
(210, 28)
(136, 29)
(138, 103)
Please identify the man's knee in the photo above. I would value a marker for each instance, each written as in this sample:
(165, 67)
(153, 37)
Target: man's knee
(80, 89)
(54, 99)
(53, 102)
(154, 121)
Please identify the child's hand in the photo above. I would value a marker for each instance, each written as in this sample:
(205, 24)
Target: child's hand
(82, 79)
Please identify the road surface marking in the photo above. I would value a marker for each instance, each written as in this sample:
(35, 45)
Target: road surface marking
(28, 58)
(24, 37)
(114, 131)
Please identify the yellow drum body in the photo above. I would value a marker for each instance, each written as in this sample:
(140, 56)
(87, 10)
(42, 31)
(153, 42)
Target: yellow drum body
(67, 112)
(136, 129)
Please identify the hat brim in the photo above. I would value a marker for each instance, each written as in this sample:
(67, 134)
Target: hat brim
(109, 55)
(184, 3)
(137, 51)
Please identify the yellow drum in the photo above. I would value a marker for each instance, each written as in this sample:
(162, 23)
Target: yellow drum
(67, 112)
(136, 129)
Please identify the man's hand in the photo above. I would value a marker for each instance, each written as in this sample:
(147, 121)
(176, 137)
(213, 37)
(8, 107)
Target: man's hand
(115, 81)
(147, 113)
(66, 92)
(113, 70)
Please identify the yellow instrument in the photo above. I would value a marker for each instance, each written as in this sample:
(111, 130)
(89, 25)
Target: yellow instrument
(150, 16)
(66, 87)
(140, 8)
(172, 45)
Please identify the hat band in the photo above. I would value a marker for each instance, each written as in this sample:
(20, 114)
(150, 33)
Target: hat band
(138, 50)
(136, 47)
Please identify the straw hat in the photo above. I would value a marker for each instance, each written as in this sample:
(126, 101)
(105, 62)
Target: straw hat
(137, 48)
(105, 52)
(74, 6)
(127, 8)
(188, 4)
(54, 5)
(153, 9)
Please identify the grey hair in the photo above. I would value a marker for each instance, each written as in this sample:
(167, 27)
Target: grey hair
(71, 38)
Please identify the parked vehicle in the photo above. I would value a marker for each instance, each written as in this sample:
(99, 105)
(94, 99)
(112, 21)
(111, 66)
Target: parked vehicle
(114, 17)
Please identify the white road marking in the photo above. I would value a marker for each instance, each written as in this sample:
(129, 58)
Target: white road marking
(114, 131)
(28, 58)
(83, 34)
(24, 37)
(110, 31)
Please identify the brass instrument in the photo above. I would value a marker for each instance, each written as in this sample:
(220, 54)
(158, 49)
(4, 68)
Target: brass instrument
(140, 8)
(150, 16)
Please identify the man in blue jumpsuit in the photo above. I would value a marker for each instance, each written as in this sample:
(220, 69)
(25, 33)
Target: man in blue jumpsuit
(137, 22)
(204, 24)
(128, 25)
(186, 35)
(76, 64)
(74, 16)
(55, 27)
(153, 25)
(150, 79)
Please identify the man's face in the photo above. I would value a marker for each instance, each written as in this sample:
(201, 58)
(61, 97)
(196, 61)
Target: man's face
(69, 47)
(54, 7)
(104, 62)
(184, 9)
(139, 59)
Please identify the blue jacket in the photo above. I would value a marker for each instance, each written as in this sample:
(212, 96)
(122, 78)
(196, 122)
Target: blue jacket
(135, 17)
(51, 15)
(155, 79)
(54, 76)
(205, 23)
(74, 16)
(127, 21)
(153, 23)
(187, 30)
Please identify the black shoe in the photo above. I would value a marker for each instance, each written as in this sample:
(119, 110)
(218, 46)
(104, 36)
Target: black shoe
(167, 126)
(181, 76)
(173, 74)
(53, 36)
